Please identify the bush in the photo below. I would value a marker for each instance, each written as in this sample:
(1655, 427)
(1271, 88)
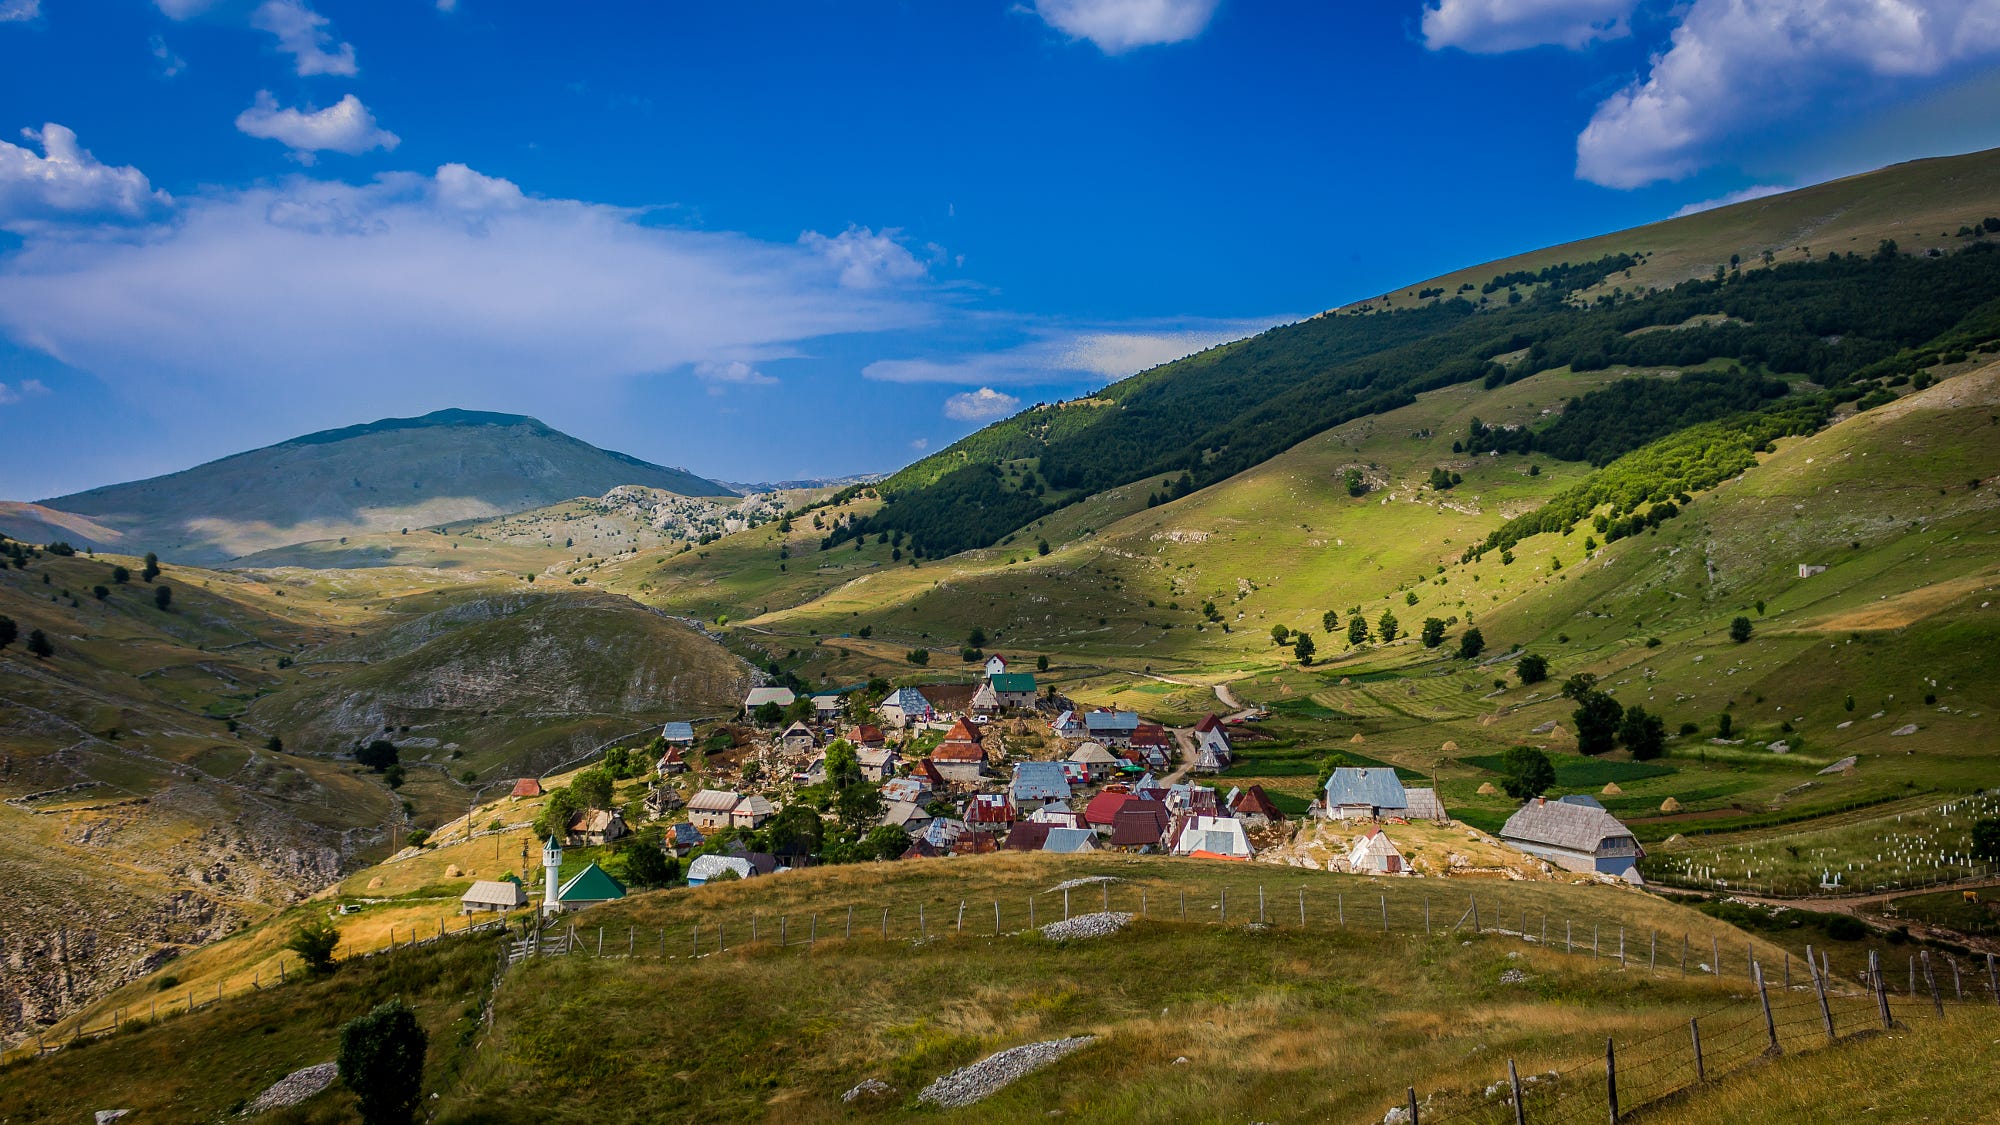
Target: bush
(419, 837)
(1532, 669)
(1471, 644)
(1739, 630)
(382, 1061)
(314, 942)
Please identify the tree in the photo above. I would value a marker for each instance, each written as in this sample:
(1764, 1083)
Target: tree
(1304, 648)
(593, 787)
(1532, 669)
(1986, 840)
(1526, 772)
(769, 713)
(1739, 630)
(163, 596)
(885, 841)
(100, 592)
(976, 638)
(314, 943)
(1724, 723)
(382, 1061)
(39, 646)
(1596, 718)
(1580, 685)
(796, 831)
(120, 575)
(1433, 632)
(1041, 546)
(275, 744)
(858, 806)
(152, 568)
(1470, 644)
(1357, 630)
(1042, 662)
(1327, 765)
(1279, 634)
(918, 656)
(1643, 733)
(1330, 621)
(378, 755)
(1356, 486)
(558, 809)
(8, 631)
(647, 866)
(1388, 627)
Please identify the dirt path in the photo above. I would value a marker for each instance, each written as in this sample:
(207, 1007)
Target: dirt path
(1238, 712)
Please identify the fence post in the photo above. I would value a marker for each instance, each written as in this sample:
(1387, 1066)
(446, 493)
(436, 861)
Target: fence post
(1569, 935)
(1340, 904)
(1694, 1032)
(961, 916)
(1105, 886)
(1653, 954)
(1427, 914)
(631, 940)
(1819, 986)
(1930, 982)
(1224, 900)
(1913, 976)
(996, 917)
(784, 931)
(812, 935)
(1514, 1080)
(753, 928)
(1302, 906)
(1715, 949)
(1788, 965)
(1183, 904)
(1065, 904)
(1611, 1078)
(924, 929)
(1475, 912)
(1764, 997)
(1992, 979)
(1260, 904)
(1684, 953)
(600, 941)
(1621, 947)
(1031, 911)
(1142, 902)
(1545, 929)
(850, 919)
(1385, 914)
(697, 939)
(1596, 928)
(1957, 986)
(1413, 1105)
(885, 923)
(721, 938)
(1881, 989)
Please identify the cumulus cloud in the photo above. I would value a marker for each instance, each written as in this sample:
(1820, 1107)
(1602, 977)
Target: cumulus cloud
(722, 373)
(1117, 26)
(302, 33)
(170, 63)
(67, 185)
(1065, 356)
(982, 405)
(1745, 195)
(866, 259)
(920, 444)
(1735, 66)
(457, 283)
(345, 126)
(26, 388)
(1496, 26)
(183, 9)
(15, 10)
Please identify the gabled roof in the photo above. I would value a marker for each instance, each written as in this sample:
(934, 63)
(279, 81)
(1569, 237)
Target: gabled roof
(1091, 754)
(1040, 781)
(678, 732)
(909, 701)
(875, 758)
(1069, 840)
(955, 751)
(1139, 823)
(707, 867)
(865, 734)
(990, 808)
(527, 787)
(1102, 811)
(1255, 800)
(928, 773)
(905, 815)
(596, 820)
(1119, 721)
(1560, 824)
(1149, 734)
(1014, 682)
(1208, 723)
(714, 800)
(985, 698)
(1375, 845)
(1584, 799)
(759, 696)
(961, 731)
(1372, 786)
(495, 892)
(1027, 836)
(826, 703)
(944, 831)
(592, 884)
(904, 789)
(798, 728)
(685, 833)
(755, 805)
(1424, 805)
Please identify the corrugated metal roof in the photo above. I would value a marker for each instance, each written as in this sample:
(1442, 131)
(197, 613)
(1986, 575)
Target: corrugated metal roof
(706, 867)
(494, 892)
(1070, 840)
(1424, 805)
(1373, 786)
(757, 697)
(714, 800)
(1040, 781)
(1021, 682)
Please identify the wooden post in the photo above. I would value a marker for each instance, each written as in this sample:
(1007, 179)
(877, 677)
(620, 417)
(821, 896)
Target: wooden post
(1694, 1032)
(1913, 975)
(1715, 949)
(1065, 904)
(885, 923)
(600, 941)
(849, 935)
(753, 928)
(1260, 904)
(1992, 979)
(1475, 912)
(1788, 966)
(1569, 935)
(1611, 1078)
(812, 934)
(1763, 997)
(1385, 914)
(996, 917)
(1105, 887)
(1596, 929)
(1653, 954)
(1031, 911)
(1514, 1081)
(1413, 1105)
(1545, 929)
(631, 940)
(1957, 986)
(1427, 914)
(1684, 953)
(1340, 905)
(1302, 906)
(924, 929)
(961, 916)
(697, 939)
(1142, 902)
(1930, 982)
(784, 930)
(721, 938)
(1183, 904)
(1819, 986)
(1621, 947)
(1224, 900)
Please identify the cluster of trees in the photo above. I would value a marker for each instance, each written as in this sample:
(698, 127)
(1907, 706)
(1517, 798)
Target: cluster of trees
(1563, 275)
(1444, 480)
(1602, 723)
(589, 789)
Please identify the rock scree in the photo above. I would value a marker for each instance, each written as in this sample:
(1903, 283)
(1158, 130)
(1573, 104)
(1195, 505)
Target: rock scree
(1100, 924)
(294, 1088)
(969, 1084)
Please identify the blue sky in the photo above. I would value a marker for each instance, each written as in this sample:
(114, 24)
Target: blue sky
(766, 240)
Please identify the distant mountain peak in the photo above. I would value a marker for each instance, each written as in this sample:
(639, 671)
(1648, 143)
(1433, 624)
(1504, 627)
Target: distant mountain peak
(450, 416)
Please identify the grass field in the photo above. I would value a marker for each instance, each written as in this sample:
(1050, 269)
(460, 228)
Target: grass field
(1908, 843)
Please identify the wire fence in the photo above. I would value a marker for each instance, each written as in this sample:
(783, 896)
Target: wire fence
(1808, 887)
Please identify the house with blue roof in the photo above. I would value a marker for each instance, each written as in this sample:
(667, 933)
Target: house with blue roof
(1365, 793)
(907, 707)
(1036, 784)
(1113, 728)
(678, 734)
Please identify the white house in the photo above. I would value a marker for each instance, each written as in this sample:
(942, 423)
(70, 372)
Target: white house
(1218, 837)
(492, 895)
(711, 809)
(1375, 854)
(995, 665)
(705, 868)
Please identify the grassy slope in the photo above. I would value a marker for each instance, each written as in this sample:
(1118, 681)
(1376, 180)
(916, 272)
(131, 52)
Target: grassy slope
(779, 1034)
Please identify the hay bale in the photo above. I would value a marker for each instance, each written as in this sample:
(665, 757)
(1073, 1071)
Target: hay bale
(1560, 736)
(1670, 806)
(375, 883)
(1486, 789)
(1357, 740)
(1611, 789)
(1448, 748)
(452, 872)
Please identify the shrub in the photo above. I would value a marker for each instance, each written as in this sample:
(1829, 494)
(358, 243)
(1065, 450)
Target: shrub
(314, 942)
(382, 1061)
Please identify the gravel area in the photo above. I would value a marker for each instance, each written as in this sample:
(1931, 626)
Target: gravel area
(968, 1084)
(1087, 881)
(1086, 926)
(294, 1088)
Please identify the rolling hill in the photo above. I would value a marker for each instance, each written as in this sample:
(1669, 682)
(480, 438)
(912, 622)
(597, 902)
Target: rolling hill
(385, 476)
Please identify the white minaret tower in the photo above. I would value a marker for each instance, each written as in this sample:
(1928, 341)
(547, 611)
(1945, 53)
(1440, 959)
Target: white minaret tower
(551, 871)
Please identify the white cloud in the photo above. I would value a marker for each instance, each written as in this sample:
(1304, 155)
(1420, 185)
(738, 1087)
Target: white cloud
(320, 292)
(15, 10)
(1496, 26)
(1744, 195)
(302, 34)
(721, 374)
(345, 126)
(1736, 66)
(68, 185)
(866, 259)
(170, 63)
(447, 5)
(920, 444)
(1066, 356)
(183, 9)
(27, 388)
(982, 405)
(1117, 26)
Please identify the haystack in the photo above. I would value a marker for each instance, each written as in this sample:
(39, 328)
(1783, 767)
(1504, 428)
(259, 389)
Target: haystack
(452, 872)
(1611, 789)
(1357, 740)
(1448, 748)
(1670, 805)
(1486, 789)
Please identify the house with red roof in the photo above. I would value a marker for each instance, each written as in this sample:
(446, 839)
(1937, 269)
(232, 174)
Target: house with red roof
(527, 787)
(990, 812)
(1101, 813)
(1254, 807)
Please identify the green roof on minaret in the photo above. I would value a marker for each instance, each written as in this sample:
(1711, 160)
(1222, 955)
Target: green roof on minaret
(592, 884)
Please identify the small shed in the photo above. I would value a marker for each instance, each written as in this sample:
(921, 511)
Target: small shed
(1365, 793)
(1424, 805)
(751, 812)
(1375, 854)
(492, 895)
(678, 734)
(527, 787)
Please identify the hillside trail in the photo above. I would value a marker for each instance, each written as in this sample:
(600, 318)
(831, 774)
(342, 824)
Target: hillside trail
(1870, 906)
(1238, 712)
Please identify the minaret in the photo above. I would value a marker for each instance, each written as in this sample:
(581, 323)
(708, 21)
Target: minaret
(551, 872)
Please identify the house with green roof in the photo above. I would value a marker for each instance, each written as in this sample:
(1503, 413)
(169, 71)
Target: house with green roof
(1015, 689)
(589, 887)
